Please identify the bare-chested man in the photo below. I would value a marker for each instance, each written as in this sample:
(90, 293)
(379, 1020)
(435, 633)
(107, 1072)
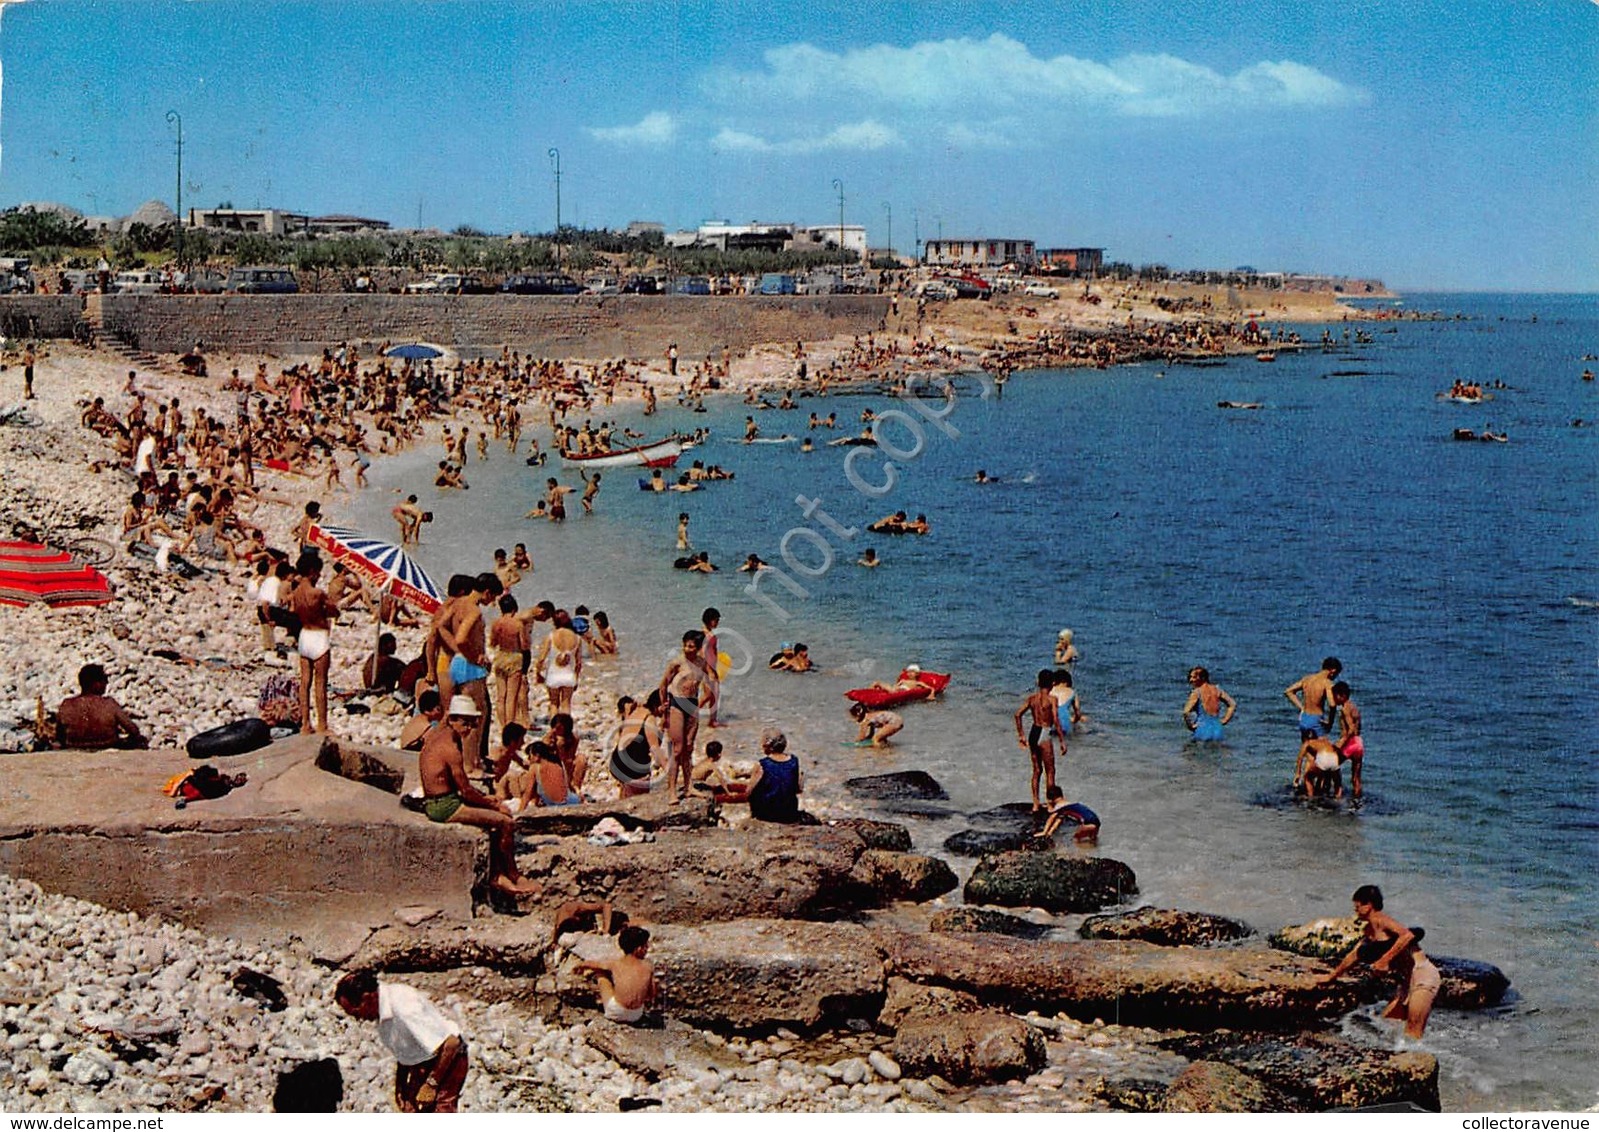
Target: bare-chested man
(1312, 695)
(93, 720)
(1041, 706)
(680, 688)
(409, 516)
(449, 796)
(316, 612)
(461, 662)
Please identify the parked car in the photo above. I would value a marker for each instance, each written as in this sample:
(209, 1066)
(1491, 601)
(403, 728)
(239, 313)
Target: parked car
(448, 283)
(776, 284)
(541, 285)
(1041, 291)
(603, 285)
(139, 282)
(643, 285)
(16, 275)
(693, 285)
(971, 287)
(936, 289)
(200, 282)
(262, 281)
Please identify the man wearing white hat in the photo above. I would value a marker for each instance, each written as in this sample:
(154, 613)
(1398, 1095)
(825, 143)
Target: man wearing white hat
(449, 796)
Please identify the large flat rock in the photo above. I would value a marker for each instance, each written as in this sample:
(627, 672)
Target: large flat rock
(296, 851)
(1127, 981)
(685, 877)
(762, 973)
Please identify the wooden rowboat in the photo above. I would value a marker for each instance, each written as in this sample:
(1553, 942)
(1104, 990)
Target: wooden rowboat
(661, 454)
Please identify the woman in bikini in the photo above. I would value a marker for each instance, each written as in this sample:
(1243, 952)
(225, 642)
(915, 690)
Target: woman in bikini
(1390, 946)
(508, 641)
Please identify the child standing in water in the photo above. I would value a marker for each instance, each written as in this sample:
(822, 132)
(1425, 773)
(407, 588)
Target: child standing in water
(682, 532)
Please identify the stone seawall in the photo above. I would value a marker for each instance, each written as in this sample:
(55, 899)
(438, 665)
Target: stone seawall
(581, 326)
(39, 316)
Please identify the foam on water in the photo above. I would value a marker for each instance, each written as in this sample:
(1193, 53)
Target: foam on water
(1340, 519)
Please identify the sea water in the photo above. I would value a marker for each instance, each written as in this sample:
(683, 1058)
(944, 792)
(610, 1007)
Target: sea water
(1458, 582)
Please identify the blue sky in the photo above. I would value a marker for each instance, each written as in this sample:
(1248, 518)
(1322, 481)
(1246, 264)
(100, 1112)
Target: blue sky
(1451, 145)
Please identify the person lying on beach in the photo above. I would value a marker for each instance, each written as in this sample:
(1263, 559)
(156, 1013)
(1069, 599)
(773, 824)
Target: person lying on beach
(626, 985)
(587, 915)
(875, 726)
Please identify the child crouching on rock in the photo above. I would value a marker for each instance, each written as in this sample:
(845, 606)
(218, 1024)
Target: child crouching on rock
(627, 985)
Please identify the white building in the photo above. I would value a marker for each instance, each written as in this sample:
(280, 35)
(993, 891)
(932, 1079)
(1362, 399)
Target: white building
(266, 221)
(725, 236)
(986, 252)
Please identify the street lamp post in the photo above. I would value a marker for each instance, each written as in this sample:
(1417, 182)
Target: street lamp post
(174, 116)
(838, 187)
(916, 227)
(889, 208)
(555, 157)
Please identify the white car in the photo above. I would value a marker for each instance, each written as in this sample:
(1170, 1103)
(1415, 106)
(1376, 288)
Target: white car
(138, 283)
(1041, 291)
(436, 284)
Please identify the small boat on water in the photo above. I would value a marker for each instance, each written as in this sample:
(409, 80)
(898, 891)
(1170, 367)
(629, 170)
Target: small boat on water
(1493, 437)
(661, 454)
(1266, 356)
(1240, 404)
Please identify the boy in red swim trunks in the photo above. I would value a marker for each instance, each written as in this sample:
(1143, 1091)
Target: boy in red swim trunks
(1350, 745)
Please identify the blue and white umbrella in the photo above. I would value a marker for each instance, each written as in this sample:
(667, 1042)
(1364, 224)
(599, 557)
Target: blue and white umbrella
(416, 351)
(381, 562)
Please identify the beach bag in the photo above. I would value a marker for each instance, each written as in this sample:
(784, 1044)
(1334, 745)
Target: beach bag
(279, 702)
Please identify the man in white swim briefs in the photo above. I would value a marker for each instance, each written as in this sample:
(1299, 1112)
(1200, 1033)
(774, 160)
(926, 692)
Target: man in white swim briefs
(316, 612)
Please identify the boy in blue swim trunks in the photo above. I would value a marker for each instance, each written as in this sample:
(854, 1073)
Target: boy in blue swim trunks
(1312, 695)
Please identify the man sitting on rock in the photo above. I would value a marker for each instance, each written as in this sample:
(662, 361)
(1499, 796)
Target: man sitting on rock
(449, 796)
(93, 721)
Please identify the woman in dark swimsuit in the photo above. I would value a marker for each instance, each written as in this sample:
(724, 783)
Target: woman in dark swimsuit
(1387, 944)
(636, 751)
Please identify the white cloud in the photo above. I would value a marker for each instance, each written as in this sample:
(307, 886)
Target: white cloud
(864, 135)
(656, 128)
(999, 74)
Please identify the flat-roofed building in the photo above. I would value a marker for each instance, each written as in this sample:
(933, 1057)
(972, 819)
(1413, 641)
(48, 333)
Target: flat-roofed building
(265, 221)
(1080, 261)
(982, 252)
(340, 223)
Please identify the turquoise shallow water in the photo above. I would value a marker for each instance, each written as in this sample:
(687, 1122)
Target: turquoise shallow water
(1459, 584)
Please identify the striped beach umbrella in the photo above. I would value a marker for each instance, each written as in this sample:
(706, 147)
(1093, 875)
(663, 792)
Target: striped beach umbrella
(31, 572)
(380, 562)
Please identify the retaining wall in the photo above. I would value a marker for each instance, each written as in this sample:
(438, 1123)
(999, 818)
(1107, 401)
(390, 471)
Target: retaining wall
(577, 326)
(39, 316)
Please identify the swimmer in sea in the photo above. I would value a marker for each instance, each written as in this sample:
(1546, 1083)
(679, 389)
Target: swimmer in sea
(1350, 745)
(1041, 706)
(1312, 695)
(869, 559)
(1202, 713)
(1065, 651)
